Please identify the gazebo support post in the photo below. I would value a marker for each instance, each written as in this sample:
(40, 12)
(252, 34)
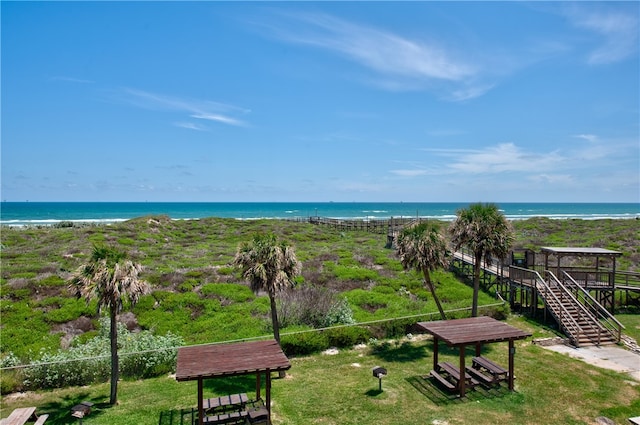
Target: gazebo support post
(258, 384)
(268, 392)
(200, 403)
(435, 353)
(512, 352)
(462, 383)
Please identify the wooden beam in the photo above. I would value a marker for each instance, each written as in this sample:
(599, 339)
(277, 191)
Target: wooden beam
(462, 383)
(512, 353)
(268, 393)
(258, 385)
(200, 401)
(435, 352)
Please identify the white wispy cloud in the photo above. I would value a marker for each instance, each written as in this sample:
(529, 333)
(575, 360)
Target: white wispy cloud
(397, 62)
(218, 117)
(191, 126)
(200, 109)
(563, 166)
(409, 172)
(588, 137)
(377, 49)
(616, 25)
(505, 157)
(552, 178)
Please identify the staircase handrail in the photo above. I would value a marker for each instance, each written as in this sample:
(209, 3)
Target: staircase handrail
(583, 312)
(564, 318)
(603, 315)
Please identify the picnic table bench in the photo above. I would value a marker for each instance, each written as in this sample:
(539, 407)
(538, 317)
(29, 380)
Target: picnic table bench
(453, 373)
(224, 418)
(21, 415)
(497, 372)
(222, 402)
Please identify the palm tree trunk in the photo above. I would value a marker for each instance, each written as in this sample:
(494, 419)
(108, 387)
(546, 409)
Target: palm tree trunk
(476, 283)
(276, 325)
(274, 318)
(427, 279)
(115, 371)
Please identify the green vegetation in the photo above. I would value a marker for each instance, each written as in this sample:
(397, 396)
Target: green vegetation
(618, 235)
(487, 233)
(199, 295)
(338, 389)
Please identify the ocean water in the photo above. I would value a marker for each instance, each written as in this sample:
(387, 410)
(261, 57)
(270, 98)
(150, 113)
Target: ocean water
(47, 213)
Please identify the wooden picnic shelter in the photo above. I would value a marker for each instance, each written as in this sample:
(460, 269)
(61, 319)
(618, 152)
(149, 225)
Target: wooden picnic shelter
(473, 331)
(202, 362)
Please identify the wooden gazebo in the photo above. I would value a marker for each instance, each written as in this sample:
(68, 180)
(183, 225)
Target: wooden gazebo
(595, 279)
(597, 253)
(224, 360)
(473, 331)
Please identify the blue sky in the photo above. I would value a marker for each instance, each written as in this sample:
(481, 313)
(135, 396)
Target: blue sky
(326, 101)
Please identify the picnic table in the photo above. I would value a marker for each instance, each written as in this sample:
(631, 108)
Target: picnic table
(472, 331)
(22, 415)
(225, 360)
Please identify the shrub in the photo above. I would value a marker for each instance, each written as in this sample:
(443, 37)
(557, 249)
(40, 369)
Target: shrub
(311, 342)
(347, 336)
(141, 355)
(303, 343)
(313, 306)
(500, 312)
(230, 291)
(351, 272)
(63, 224)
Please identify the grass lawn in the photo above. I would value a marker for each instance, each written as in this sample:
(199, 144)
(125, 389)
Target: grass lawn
(631, 323)
(339, 389)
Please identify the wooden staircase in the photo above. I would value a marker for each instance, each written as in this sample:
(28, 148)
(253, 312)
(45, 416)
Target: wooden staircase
(578, 324)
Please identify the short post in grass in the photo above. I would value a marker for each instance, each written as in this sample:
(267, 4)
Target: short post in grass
(379, 372)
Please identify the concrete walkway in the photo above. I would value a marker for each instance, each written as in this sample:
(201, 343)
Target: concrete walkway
(607, 357)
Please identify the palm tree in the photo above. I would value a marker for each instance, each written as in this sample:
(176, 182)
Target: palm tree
(423, 248)
(113, 280)
(486, 231)
(268, 265)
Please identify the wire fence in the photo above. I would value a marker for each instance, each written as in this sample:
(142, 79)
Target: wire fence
(144, 354)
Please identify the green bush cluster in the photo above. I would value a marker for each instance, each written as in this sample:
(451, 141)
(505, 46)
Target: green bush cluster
(141, 355)
(313, 306)
(305, 343)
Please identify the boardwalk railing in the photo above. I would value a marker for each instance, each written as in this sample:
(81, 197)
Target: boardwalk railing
(374, 225)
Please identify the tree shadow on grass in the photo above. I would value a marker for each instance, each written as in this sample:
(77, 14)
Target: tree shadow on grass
(402, 352)
(429, 387)
(60, 411)
(470, 350)
(232, 385)
(186, 416)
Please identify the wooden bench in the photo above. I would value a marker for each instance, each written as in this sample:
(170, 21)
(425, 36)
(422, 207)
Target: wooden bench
(481, 377)
(41, 419)
(454, 372)
(225, 401)
(224, 418)
(448, 385)
(497, 372)
(19, 416)
(258, 416)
